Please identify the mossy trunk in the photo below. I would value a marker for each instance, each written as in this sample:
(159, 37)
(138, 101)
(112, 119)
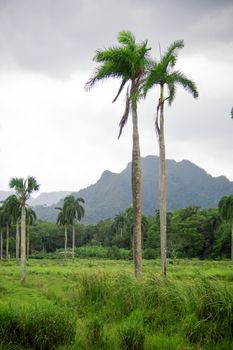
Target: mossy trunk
(1, 246)
(73, 240)
(7, 241)
(65, 248)
(23, 244)
(17, 242)
(163, 188)
(232, 241)
(28, 241)
(136, 194)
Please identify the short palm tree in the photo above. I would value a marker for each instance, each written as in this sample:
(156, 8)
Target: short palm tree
(162, 74)
(74, 212)
(23, 188)
(62, 220)
(128, 62)
(226, 212)
(13, 208)
(30, 218)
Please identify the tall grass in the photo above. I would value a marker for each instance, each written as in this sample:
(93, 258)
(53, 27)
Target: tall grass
(100, 305)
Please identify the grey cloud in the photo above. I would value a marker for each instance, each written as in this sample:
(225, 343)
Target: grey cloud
(58, 37)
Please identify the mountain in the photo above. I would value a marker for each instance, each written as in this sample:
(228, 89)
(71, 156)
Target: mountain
(5, 194)
(188, 184)
(48, 198)
(45, 198)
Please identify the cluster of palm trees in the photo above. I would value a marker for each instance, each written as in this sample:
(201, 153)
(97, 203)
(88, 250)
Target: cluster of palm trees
(15, 212)
(71, 212)
(131, 63)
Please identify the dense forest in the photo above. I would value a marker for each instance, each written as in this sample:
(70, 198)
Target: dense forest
(192, 232)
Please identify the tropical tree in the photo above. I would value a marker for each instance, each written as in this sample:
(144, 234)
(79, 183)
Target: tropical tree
(128, 62)
(7, 223)
(23, 188)
(30, 218)
(226, 212)
(74, 212)
(63, 220)
(13, 212)
(162, 73)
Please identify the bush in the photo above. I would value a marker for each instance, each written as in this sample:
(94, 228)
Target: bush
(35, 327)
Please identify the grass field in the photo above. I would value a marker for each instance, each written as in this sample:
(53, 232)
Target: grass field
(98, 304)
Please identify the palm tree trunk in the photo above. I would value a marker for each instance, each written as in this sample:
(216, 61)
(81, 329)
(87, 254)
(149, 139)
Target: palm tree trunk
(65, 252)
(28, 240)
(73, 240)
(232, 241)
(1, 245)
(7, 241)
(17, 242)
(23, 243)
(136, 194)
(163, 188)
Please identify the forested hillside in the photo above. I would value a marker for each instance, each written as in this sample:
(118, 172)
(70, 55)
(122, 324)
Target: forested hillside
(188, 185)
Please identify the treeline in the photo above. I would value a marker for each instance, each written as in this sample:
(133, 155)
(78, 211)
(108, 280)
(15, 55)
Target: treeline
(192, 233)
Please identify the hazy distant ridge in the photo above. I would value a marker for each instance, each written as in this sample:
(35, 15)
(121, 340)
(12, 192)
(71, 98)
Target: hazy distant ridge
(188, 184)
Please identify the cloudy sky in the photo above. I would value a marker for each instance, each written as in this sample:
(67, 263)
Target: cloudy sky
(52, 129)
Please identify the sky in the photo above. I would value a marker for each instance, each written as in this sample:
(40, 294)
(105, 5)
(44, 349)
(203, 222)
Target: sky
(66, 137)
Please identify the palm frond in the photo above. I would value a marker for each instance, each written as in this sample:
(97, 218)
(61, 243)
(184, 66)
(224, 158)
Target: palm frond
(172, 92)
(126, 37)
(180, 78)
(170, 56)
(232, 112)
(126, 113)
(120, 89)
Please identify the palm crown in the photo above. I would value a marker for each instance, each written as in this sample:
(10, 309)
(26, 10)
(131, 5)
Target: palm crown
(24, 187)
(127, 62)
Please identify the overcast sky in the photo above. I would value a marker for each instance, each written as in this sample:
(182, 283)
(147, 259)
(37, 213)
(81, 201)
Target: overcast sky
(52, 129)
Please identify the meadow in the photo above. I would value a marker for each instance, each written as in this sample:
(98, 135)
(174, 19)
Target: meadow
(98, 304)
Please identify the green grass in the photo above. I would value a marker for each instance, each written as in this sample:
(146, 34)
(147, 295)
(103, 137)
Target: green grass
(109, 309)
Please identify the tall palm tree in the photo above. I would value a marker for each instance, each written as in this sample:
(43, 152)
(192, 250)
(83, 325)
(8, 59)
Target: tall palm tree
(13, 208)
(24, 188)
(30, 218)
(127, 62)
(62, 220)
(162, 73)
(74, 212)
(226, 212)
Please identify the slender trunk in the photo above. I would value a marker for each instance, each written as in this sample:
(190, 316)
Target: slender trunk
(28, 241)
(136, 194)
(1, 245)
(163, 188)
(7, 241)
(65, 241)
(73, 240)
(17, 242)
(232, 241)
(23, 243)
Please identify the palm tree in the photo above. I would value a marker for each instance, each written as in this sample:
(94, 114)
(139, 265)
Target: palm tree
(7, 223)
(74, 211)
(30, 218)
(23, 188)
(62, 220)
(13, 209)
(127, 62)
(226, 212)
(162, 73)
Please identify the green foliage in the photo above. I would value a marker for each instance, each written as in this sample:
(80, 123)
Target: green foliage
(131, 333)
(38, 327)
